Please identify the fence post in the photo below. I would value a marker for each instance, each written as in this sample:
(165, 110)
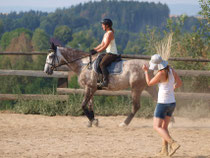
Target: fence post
(62, 83)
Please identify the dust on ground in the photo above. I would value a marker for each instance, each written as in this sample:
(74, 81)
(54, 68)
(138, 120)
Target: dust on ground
(66, 136)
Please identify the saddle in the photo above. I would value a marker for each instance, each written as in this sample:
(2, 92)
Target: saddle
(114, 68)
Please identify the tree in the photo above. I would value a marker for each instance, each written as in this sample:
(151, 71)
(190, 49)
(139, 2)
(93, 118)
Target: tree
(205, 12)
(40, 40)
(83, 40)
(1, 28)
(63, 33)
(8, 36)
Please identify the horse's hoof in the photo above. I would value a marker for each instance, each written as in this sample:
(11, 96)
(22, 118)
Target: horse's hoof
(89, 124)
(122, 124)
(95, 122)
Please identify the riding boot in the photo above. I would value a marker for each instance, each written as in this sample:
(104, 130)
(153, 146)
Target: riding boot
(105, 77)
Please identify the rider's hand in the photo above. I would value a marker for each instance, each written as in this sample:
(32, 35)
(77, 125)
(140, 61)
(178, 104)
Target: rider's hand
(144, 68)
(93, 51)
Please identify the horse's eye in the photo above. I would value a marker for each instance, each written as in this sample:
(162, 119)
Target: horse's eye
(51, 56)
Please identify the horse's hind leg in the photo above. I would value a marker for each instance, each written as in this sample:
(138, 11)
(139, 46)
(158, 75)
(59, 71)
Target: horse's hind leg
(152, 90)
(135, 94)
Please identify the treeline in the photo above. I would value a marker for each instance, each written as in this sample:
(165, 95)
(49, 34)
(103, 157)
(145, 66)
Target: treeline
(130, 16)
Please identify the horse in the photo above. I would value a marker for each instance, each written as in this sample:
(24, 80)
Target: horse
(132, 76)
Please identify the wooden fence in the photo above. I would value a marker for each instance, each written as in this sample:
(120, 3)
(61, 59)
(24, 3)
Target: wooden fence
(63, 80)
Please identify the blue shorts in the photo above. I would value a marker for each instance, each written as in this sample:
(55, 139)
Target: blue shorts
(163, 110)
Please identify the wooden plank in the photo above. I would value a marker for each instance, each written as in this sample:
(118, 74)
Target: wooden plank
(146, 57)
(33, 97)
(128, 56)
(193, 96)
(178, 95)
(64, 74)
(23, 53)
(99, 92)
(63, 91)
(193, 73)
(33, 73)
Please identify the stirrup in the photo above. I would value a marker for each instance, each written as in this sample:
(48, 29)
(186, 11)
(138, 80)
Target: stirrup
(104, 84)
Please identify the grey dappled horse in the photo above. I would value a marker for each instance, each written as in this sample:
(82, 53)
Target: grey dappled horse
(132, 77)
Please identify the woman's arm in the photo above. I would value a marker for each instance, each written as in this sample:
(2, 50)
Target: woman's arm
(105, 44)
(99, 46)
(178, 81)
(154, 80)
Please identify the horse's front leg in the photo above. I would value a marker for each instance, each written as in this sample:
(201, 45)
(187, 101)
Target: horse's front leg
(135, 94)
(89, 92)
(91, 104)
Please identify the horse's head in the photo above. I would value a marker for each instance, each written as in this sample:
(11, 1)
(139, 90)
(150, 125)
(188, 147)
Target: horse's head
(53, 59)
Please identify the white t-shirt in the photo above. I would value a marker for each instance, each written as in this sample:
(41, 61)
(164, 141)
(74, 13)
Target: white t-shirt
(166, 90)
(112, 48)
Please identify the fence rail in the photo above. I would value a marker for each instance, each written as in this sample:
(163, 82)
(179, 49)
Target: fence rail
(64, 92)
(33, 73)
(33, 97)
(64, 74)
(178, 95)
(128, 56)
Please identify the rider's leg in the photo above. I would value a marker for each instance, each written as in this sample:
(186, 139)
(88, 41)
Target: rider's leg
(106, 60)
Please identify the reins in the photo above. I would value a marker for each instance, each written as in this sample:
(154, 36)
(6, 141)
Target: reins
(66, 63)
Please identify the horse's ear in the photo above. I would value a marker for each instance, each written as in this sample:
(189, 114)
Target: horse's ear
(52, 45)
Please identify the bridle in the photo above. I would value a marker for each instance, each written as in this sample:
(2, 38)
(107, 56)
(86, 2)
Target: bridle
(55, 57)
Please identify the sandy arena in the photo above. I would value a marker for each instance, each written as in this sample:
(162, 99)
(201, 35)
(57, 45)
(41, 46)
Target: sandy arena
(65, 136)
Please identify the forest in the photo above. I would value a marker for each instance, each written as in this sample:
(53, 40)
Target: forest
(138, 26)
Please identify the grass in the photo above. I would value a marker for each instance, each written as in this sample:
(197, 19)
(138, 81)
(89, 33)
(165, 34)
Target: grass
(103, 105)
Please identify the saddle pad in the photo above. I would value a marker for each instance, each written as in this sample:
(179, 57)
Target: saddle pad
(113, 68)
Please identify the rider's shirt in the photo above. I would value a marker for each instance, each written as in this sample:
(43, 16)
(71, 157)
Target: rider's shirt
(112, 48)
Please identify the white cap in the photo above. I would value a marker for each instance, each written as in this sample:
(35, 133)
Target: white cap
(157, 63)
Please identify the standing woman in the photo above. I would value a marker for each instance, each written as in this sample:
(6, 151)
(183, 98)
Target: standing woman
(167, 80)
(109, 44)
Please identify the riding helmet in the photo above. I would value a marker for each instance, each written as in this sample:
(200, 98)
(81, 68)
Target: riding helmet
(107, 22)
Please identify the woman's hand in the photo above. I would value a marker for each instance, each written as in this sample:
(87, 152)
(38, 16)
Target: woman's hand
(144, 68)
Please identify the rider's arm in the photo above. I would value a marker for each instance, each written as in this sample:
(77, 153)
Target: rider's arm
(99, 46)
(178, 81)
(105, 43)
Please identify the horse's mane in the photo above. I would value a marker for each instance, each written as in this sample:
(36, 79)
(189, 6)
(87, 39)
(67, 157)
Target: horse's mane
(71, 54)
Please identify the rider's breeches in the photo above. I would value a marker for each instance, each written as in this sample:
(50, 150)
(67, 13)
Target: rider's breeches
(106, 60)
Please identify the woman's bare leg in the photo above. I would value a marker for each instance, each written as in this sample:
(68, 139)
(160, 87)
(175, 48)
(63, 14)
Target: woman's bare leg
(158, 125)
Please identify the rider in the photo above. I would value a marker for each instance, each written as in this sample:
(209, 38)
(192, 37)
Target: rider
(109, 44)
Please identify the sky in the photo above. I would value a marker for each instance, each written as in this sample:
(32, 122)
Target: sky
(177, 7)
